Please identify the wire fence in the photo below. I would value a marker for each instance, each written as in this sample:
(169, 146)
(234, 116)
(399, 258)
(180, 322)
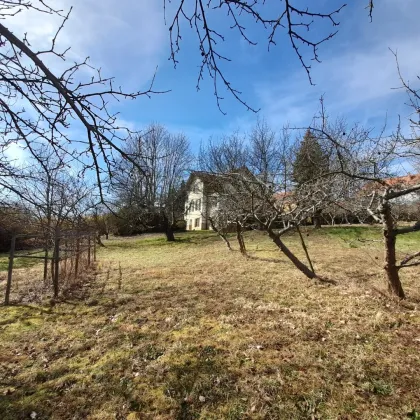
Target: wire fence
(66, 256)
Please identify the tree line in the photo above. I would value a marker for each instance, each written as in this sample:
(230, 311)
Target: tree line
(99, 177)
(274, 181)
(334, 170)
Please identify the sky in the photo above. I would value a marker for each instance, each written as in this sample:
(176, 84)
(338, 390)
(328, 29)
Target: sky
(129, 41)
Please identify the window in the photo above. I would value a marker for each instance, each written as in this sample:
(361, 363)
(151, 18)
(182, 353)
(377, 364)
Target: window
(197, 222)
(198, 205)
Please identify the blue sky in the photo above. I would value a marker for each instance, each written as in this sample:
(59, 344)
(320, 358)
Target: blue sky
(129, 39)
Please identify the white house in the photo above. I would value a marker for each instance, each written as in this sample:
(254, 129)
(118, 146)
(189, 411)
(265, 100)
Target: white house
(201, 200)
(404, 182)
(207, 193)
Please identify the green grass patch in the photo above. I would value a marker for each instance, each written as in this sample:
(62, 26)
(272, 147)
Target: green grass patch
(140, 241)
(350, 233)
(19, 262)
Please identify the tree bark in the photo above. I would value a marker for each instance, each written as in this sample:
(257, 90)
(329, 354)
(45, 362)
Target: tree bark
(99, 240)
(240, 239)
(390, 238)
(168, 229)
(56, 261)
(220, 233)
(292, 257)
(10, 271)
(305, 248)
(317, 219)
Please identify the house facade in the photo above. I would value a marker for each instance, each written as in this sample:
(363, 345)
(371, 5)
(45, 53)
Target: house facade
(208, 193)
(201, 201)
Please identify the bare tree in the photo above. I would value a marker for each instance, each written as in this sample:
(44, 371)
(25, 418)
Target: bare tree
(153, 191)
(54, 194)
(203, 18)
(266, 153)
(245, 201)
(411, 142)
(364, 164)
(102, 220)
(232, 205)
(224, 155)
(39, 106)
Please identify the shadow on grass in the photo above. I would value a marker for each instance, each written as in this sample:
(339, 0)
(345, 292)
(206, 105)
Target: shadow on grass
(183, 238)
(202, 379)
(194, 381)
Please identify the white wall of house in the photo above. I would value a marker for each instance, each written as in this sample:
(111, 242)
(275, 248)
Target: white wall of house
(199, 206)
(411, 198)
(195, 209)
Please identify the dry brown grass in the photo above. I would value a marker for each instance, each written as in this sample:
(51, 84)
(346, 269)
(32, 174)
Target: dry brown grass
(189, 330)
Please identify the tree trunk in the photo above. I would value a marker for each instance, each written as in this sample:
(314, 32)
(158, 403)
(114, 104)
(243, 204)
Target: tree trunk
(390, 238)
(305, 248)
(10, 271)
(46, 262)
(289, 254)
(99, 240)
(240, 239)
(220, 233)
(106, 235)
(317, 219)
(168, 229)
(56, 260)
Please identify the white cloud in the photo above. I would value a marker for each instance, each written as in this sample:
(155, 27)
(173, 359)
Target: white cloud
(16, 154)
(126, 40)
(358, 77)
(128, 36)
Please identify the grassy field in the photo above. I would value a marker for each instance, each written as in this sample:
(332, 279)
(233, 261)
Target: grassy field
(188, 330)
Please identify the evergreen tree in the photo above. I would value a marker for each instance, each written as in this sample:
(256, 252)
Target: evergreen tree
(311, 161)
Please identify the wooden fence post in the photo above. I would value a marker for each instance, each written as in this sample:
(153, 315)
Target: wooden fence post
(94, 249)
(56, 262)
(88, 257)
(10, 271)
(76, 263)
(46, 261)
(66, 243)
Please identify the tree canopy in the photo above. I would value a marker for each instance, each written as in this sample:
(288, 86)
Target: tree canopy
(311, 160)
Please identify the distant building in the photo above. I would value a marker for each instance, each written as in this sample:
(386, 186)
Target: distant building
(404, 182)
(201, 200)
(206, 192)
(398, 183)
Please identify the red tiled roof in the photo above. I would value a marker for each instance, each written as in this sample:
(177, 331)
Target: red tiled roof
(405, 181)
